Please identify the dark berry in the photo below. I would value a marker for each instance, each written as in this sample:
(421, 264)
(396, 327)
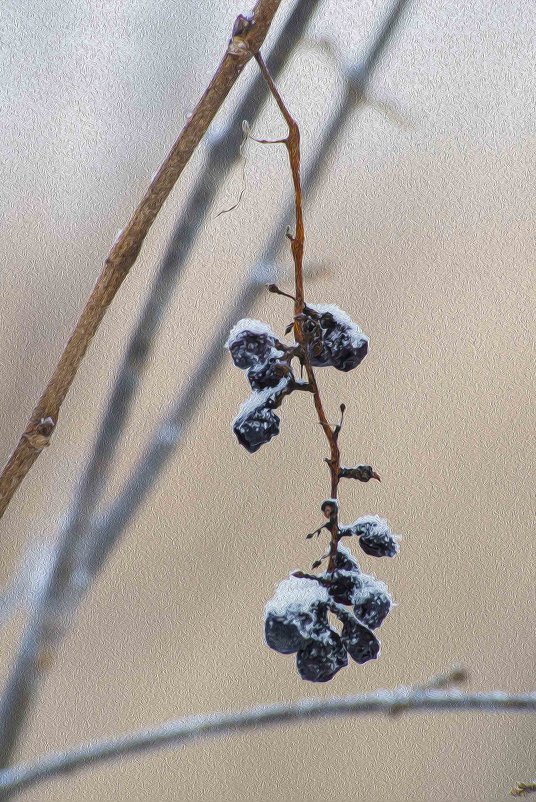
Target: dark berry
(375, 537)
(333, 339)
(297, 611)
(345, 560)
(329, 507)
(283, 633)
(269, 373)
(362, 645)
(321, 657)
(343, 585)
(255, 427)
(379, 544)
(250, 343)
(372, 602)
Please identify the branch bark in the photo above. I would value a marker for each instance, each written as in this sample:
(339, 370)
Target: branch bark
(248, 35)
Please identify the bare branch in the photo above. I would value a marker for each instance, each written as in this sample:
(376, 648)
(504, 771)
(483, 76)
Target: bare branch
(248, 35)
(59, 597)
(168, 435)
(183, 731)
(524, 789)
(54, 609)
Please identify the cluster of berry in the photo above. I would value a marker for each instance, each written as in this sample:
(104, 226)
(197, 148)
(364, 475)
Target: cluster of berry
(331, 339)
(296, 618)
(334, 340)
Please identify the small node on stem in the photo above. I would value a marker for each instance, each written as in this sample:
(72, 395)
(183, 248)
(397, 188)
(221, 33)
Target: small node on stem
(338, 427)
(363, 473)
(275, 289)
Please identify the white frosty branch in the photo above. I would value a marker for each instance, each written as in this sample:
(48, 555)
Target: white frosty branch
(187, 730)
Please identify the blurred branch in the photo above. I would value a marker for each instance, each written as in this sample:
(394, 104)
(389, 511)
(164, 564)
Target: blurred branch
(65, 583)
(248, 35)
(524, 789)
(168, 434)
(58, 596)
(178, 733)
(223, 153)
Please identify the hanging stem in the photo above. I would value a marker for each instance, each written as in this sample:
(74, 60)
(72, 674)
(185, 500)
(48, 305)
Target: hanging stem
(292, 144)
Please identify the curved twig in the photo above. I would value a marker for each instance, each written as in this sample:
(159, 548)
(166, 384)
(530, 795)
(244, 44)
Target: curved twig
(183, 731)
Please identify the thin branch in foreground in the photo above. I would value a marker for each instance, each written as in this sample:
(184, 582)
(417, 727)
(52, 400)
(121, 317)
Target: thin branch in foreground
(183, 731)
(292, 143)
(248, 35)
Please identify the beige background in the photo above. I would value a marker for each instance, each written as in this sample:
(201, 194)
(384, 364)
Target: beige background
(425, 233)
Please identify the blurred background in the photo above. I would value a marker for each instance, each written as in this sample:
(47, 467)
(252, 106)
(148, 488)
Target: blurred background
(423, 233)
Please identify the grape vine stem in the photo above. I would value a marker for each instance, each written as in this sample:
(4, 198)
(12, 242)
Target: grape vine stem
(292, 144)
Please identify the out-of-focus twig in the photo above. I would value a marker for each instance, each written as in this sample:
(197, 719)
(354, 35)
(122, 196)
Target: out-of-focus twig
(168, 434)
(183, 731)
(58, 601)
(222, 154)
(524, 789)
(54, 607)
(248, 35)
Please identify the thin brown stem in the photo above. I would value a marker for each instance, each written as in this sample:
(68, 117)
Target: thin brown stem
(292, 143)
(248, 35)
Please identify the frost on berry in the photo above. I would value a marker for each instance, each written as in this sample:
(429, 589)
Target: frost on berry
(375, 536)
(372, 602)
(343, 585)
(256, 422)
(250, 343)
(321, 657)
(362, 645)
(345, 560)
(256, 427)
(297, 612)
(270, 373)
(334, 340)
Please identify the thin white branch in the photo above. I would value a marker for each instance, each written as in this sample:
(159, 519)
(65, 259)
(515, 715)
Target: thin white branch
(195, 728)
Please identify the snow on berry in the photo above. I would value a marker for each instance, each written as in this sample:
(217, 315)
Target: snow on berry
(375, 536)
(250, 342)
(297, 612)
(372, 602)
(335, 340)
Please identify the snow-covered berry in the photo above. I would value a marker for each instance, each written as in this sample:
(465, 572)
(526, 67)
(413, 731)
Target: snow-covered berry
(270, 373)
(345, 560)
(250, 342)
(321, 657)
(343, 585)
(297, 612)
(362, 645)
(255, 427)
(372, 602)
(375, 536)
(333, 339)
